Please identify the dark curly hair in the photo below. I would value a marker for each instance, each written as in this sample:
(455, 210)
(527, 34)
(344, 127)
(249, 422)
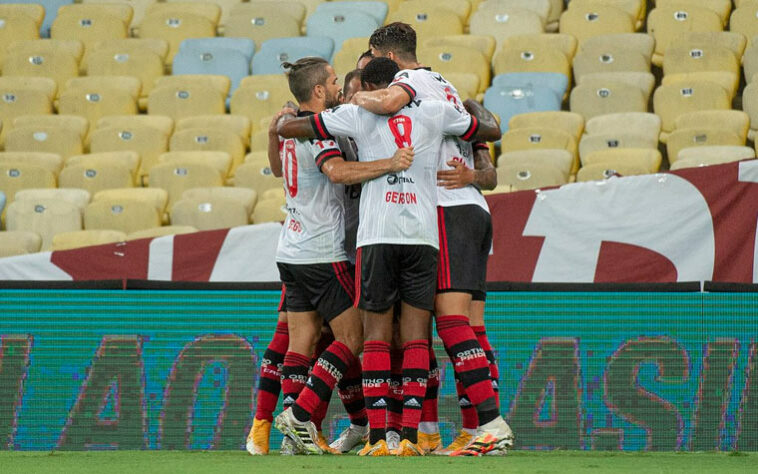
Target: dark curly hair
(379, 72)
(397, 38)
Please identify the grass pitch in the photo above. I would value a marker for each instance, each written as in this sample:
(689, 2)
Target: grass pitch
(563, 462)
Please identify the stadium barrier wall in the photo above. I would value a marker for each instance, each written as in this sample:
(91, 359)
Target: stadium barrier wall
(165, 369)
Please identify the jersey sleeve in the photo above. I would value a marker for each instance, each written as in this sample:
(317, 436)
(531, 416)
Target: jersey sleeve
(325, 150)
(341, 121)
(404, 80)
(458, 122)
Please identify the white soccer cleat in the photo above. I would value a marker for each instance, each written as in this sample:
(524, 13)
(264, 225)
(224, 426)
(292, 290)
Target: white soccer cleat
(289, 448)
(495, 437)
(351, 437)
(303, 434)
(393, 440)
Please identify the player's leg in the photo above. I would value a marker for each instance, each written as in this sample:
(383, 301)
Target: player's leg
(429, 428)
(477, 324)
(395, 402)
(350, 390)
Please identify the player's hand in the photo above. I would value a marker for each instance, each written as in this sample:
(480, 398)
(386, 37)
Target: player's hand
(458, 177)
(402, 159)
(275, 121)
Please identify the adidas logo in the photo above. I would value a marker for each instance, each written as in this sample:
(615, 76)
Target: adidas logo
(494, 384)
(379, 403)
(464, 402)
(412, 402)
(288, 401)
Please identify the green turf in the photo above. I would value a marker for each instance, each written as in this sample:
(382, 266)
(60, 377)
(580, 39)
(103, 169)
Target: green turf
(121, 462)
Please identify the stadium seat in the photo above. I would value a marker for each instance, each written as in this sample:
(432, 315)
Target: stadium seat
(255, 173)
(156, 197)
(533, 138)
(41, 84)
(566, 44)
(341, 26)
(50, 10)
(461, 9)
(520, 97)
(85, 238)
(636, 9)
(176, 22)
(78, 197)
(72, 123)
(482, 43)
(269, 210)
(238, 124)
(744, 20)
(643, 81)
(161, 123)
(17, 101)
(246, 197)
(557, 82)
(562, 160)
(209, 213)
(666, 23)
(259, 97)
(261, 22)
(44, 217)
(750, 63)
(606, 170)
(733, 120)
(19, 242)
(346, 58)
(593, 99)
(750, 106)
(670, 101)
(506, 23)
(10, 10)
(537, 58)
(17, 23)
(466, 84)
(17, 176)
(638, 123)
(244, 46)
(218, 62)
(148, 141)
(720, 7)
(124, 159)
(569, 122)
(221, 161)
(93, 97)
(687, 59)
(297, 9)
(456, 59)
(94, 177)
(141, 63)
(524, 176)
(590, 63)
(614, 141)
(50, 161)
(428, 21)
(374, 9)
(727, 80)
(53, 47)
(139, 8)
(44, 139)
(619, 43)
(24, 61)
(735, 42)
(648, 159)
(92, 22)
(695, 157)
(540, 7)
(176, 178)
(165, 230)
(179, 101)
(225, 5)
(205, 139)
(586, 21)
(275, 51)
(120, 214)
(695, 137)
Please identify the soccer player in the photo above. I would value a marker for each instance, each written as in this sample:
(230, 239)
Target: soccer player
(397, 240)
(364, 59)
(465, 235)
(311, 256)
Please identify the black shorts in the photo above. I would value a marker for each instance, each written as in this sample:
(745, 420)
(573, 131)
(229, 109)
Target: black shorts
(465, 243)
(388, 273)
(326, 288)
(282, 303)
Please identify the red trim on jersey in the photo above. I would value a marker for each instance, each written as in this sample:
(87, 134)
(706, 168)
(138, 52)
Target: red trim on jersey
(326, 155)
(407, 88)
(480, 146)
(443, 272)
(281, 298)
(320, 129)
(472, 129)
(339, 271)
(358, 253)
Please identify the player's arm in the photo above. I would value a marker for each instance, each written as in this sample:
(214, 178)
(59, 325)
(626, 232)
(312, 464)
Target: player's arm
(487, 128)
(483, 175)
(384, 101)
(274, 159)
(352, 172)
(291, 126)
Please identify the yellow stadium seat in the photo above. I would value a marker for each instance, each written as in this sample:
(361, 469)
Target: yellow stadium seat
(78, 197)
(539, 7)
(50, 161)
(176, 22)
(16, 23)
(44, 217)
(695, 157)
(160, 123)
(124, 215)
(618, 44)
(139, 8)
(455, 59)
(58, 66)
(735, 42)
(204, 139)
(744, 20)
(750, 63)
(72, 123)
(94, 97)
(460, 9)
(562, 160)
(644, 81)
(130, 46)
(92, 22)
(733, 120)
(566, 44)
(246, 197)
(259, 97)
(634, 8)
(683, 59)
(505, 24)
(534, 138)
(648, 159)
(524, 176)
(156, 197)
(18, 101)
(614, 141)
(483, 44)
(269, 210)
(208, 214)
(17, 176)
(591, 100)
(249, 20)
(53, 47)
(569, 122)
(465, 83)
(32, 10)
(177, 177)
(185, 101)
(606, 170)
(40, 84)
(750, 106)
(346, 58)
(695, 137)
(586, 21)
(44, 139)
(638, 123)
(671, 101)
(219, 83)
(589, 63)
(149, 142)
(225, 5)
(124, 159)
(536, 58)
(143, 64)
(429, 20)
(239, 124)
(19, 242)
(727, 80)
(95, 178)
(219, 160)
(666, 23)
(165, 230)
(299, 10)
(278, 193)
(256, 174)
(86, 238)
(722, 8)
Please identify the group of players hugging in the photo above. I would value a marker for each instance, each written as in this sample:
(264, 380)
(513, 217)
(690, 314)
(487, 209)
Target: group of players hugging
(386, 227)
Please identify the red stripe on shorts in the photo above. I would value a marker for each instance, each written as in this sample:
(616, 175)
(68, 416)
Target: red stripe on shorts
(444, 276)
(339, 271)
(358, 253)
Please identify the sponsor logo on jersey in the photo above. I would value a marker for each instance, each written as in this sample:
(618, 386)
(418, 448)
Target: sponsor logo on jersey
(393, 179)
(400, 197)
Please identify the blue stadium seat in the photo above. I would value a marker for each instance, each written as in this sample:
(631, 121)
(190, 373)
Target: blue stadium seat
(341, 26)
(377, 10)
(520, 98)
(224, 62)
(553, 80)
(245, 46)
(275, 51)
(51, 11)
(2, 201)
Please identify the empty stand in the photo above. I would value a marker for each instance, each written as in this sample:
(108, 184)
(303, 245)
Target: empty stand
(209, 213)
(44, 217)
(85, 238)
(278, 50)
(19, 242)
(120, 214)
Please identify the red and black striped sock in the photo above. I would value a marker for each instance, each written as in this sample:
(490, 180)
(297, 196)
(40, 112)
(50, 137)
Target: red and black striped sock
(395, 405)
(481, 336)
(294, 375)
(469, 420)
(376, 386)
(319, 414)
(329, 369)
(415, 375)
(269, 379)
(429, 412)
(470, 364)
(350, 390)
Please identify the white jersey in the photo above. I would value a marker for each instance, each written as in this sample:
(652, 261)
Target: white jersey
(424, 84)
(314, 231)
(352, 197)
(399, 208)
